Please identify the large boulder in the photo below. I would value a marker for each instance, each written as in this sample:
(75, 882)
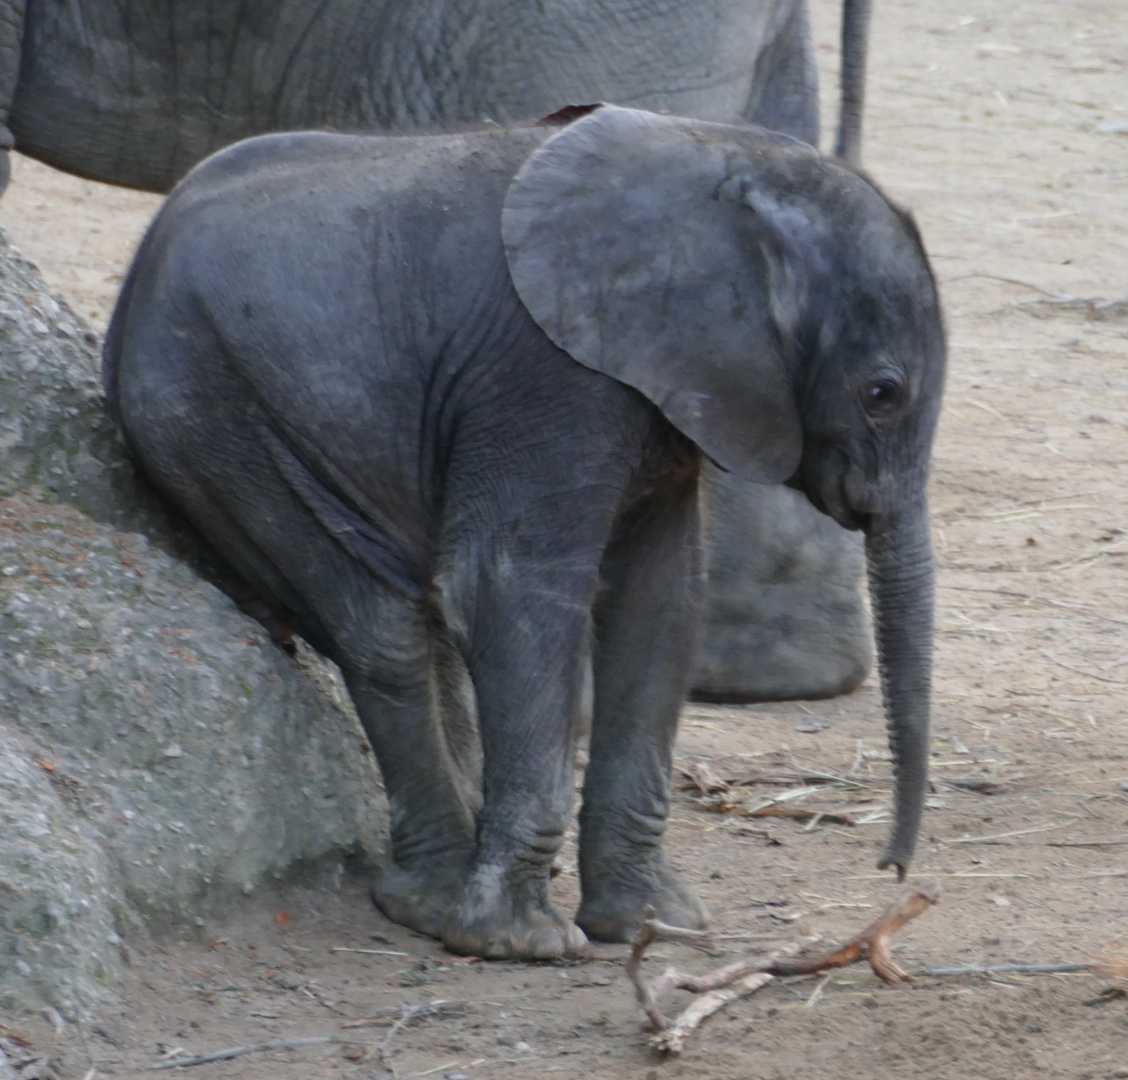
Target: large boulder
(159, 756)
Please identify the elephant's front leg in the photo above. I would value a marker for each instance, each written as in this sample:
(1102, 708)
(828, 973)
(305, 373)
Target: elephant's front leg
(527, 618)
(646, 635)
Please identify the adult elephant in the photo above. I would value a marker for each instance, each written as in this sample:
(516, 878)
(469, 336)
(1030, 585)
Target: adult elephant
(136, 92)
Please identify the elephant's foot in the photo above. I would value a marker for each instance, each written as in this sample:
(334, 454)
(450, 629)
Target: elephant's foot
(419, 899)
(623, 893)
(499, 920)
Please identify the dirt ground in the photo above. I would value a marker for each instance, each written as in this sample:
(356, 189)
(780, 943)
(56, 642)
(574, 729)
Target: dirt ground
(1004, 126)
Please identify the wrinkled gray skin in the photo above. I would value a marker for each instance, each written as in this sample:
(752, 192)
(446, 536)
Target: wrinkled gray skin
(448, 397)
(135, 93)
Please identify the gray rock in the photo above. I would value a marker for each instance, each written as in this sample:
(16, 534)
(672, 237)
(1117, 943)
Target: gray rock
(58, 942)
(784, 614)
(54, 430)
(159, 755)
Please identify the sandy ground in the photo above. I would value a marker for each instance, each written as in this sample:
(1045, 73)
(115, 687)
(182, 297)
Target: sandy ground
(998, 125)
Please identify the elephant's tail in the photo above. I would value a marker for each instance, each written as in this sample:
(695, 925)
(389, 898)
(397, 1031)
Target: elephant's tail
(855, 37)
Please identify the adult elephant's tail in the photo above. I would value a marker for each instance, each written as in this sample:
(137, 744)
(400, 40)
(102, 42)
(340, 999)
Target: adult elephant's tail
(855, 35)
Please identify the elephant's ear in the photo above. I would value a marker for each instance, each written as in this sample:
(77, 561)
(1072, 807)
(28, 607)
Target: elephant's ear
(643, 246)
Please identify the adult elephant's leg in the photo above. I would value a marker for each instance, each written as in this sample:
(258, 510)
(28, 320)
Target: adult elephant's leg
(784, 616)
(785, 84)
(646, 629)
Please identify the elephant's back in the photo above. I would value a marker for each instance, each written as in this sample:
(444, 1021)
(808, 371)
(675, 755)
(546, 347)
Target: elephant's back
(136, 93)
(340, 282)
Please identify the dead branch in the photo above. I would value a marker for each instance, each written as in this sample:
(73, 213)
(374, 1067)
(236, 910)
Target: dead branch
(717, 988)
(1115, 841)
(1079, 671)
(383, 1049)
(239, 1051)
(980, 785)
(1094, 308)
(671, 1040)
(1009, 281)
(647, 996)
(367, 952)
(1006, 969)
(873, 942)
(1041, 600)
(716, 794)
(797, 813)
(698, 775)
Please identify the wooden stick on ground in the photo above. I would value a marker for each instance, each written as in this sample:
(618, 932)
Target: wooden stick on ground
(652, 931)
(717, 988)
(239, 1051)
(671, 1040)
(383, 1049)
(872, 942)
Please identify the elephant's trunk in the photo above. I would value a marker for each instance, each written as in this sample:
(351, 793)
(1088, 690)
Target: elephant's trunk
(899, 559)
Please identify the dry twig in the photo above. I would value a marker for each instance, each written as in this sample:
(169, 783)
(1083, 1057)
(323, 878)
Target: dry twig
(796, 813)
(367, 952)
(1006, 969)
(239, 1051)
(1114, 841)
(671, 1040)
(383, 1048)
(716, 794)
(1079, 671)
(743, 977)
(873, 942)
(652, 931)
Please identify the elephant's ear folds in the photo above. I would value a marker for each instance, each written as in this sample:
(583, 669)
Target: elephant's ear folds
(631, 246)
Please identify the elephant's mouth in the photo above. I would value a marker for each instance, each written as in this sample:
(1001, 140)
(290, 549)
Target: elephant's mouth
(839, 488)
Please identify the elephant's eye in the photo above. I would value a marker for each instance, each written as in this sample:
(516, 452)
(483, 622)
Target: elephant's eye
(881, 397)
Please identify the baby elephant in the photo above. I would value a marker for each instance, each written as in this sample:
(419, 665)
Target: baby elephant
(443, 402)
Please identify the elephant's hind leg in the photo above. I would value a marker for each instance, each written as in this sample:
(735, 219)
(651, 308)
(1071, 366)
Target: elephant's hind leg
(254, 501)
(645, 637)
(432, 824)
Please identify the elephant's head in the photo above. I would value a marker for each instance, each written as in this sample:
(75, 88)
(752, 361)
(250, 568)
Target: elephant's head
(782, 314)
